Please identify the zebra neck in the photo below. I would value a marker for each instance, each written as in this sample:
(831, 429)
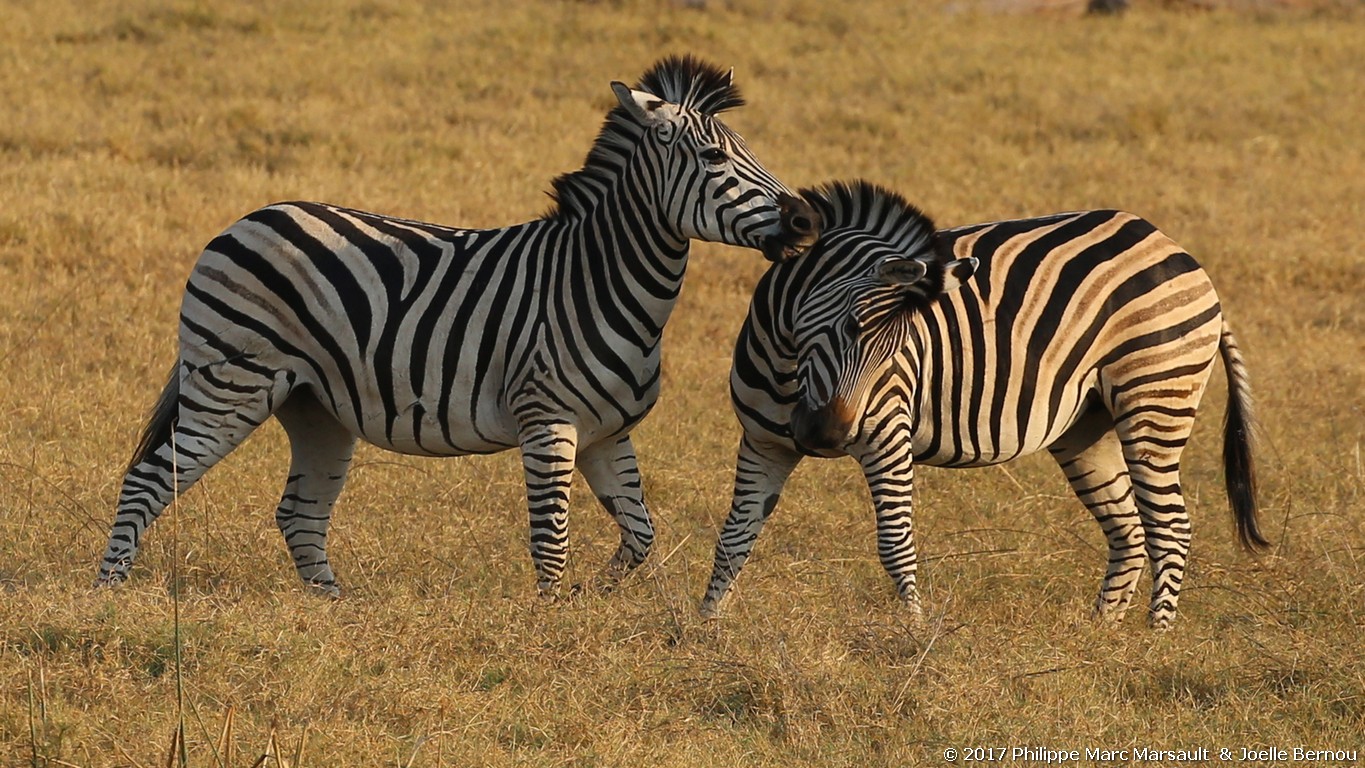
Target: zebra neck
(628, 263)
(920, 368)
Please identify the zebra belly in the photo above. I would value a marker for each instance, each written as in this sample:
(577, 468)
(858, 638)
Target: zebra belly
(419, 431)
(418, 425)
(950, 456)
(430, 439)
(951, 440)
(384, 410)
(469, 413)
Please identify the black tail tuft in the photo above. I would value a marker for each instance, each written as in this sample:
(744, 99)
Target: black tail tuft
(1238, 446)
(161, 420)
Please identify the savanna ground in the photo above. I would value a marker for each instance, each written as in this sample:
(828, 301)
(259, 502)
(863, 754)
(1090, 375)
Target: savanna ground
(132, 132)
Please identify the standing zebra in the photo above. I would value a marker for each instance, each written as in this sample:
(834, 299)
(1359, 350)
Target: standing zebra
(436, 341)
(1089, 334)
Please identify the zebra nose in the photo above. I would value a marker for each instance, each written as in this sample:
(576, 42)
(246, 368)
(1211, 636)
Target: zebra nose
(799, 224)
(820, 429)
(799, 219)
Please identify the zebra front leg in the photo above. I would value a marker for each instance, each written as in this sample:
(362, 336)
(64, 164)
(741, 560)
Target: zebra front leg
(614, 476)
(890, 474)
(321, 450)
(760, 472)
(547, 454)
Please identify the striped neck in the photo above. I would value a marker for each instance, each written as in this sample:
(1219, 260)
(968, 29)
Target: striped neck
(625, 249)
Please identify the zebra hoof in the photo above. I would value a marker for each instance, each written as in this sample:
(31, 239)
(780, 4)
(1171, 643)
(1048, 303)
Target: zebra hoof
(1161, 625)
(559, 595)
(108, 581)
(914, 616)
(1107, 614)
(608, 580)
(329, 591)
(549, 591)
(709, 609)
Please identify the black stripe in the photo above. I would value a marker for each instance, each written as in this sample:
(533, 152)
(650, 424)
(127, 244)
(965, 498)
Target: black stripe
(1049, 329)
(355, 300)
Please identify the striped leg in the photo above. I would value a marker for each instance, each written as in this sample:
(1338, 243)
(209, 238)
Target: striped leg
(614, 476)
(1154, 463)
(1092, 459)
(547, 455)
(760, 473)
(216, 408)
(321, 451)
(890, 474)
(1153, 430)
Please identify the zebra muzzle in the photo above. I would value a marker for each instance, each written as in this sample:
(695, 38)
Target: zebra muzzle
(821, 430)
(800, 226)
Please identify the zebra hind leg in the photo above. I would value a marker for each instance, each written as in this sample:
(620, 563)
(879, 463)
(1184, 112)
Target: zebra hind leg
(1154, 419)
(201, 417)
(614, 476)
(1153, 452)
(1092, 459)
(321, 450)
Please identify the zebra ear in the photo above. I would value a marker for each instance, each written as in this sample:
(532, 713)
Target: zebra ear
(955, 273)
(900, 271)
(647, 109)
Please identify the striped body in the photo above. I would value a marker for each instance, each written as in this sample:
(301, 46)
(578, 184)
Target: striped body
(428, 340)
(1088, 334)
(1061, 314)
(437, 341)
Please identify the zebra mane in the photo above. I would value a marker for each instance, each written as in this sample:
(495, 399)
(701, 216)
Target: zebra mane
(683, 80)
(876, 210)
(692, 83)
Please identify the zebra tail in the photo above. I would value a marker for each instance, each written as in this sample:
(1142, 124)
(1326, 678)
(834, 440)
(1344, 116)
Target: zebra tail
(161, 420)
(1238, 443)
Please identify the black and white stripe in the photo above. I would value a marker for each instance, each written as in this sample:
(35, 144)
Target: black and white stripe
(436, 341)
(1089, 334)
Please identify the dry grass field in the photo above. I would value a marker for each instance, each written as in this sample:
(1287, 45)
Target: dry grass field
(132, 132)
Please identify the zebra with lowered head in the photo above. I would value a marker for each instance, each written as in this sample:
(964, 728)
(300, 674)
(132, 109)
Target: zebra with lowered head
(1088, 334)
(436, 341)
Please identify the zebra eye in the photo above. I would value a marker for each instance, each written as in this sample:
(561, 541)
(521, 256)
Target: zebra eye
(714, 155)
(851, 326)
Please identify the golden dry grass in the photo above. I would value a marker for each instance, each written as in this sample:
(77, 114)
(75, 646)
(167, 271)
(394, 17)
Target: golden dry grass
(132, 132)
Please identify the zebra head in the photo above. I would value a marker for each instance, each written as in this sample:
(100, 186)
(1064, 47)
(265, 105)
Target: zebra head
(873, 268)
(696, 172)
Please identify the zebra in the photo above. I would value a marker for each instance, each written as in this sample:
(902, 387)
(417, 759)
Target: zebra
(431, 340)
(1091, 334)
